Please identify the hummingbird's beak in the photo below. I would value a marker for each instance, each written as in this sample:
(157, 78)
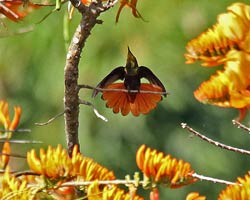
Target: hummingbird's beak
(131, 60)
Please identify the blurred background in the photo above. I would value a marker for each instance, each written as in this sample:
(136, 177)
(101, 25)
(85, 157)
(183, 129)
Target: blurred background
(31, 75)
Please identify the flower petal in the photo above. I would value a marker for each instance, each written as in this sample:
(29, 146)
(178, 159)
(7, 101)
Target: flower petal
(212, 46)
(163, 169)
(239, 191)
(230, 87)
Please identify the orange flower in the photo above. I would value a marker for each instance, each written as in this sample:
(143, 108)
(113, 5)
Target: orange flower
(14, 188)
(8, 125)
(195, 196)
(5, 118)
(121, 101)
(16, 10)
(86, 2)
(154, 194)
(228, 43)
(55, 164)
(240, 191)
(109, 192)
(212, 46)
(230, 87)
(4, 156)
(164, 169)
(131, 4)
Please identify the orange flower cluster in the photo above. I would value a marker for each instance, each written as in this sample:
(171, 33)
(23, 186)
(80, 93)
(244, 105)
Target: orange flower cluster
(240, 191)
(55, 163)
(5, 117)
(230, 32)
(164, 169)
(131, 4)
(195, 196)
(225, 43)
(143, 103)
(4, 155)
(109, 192)
(16, 10)
(123, 3)
(8, 125)
(57, 168)
(13, 188)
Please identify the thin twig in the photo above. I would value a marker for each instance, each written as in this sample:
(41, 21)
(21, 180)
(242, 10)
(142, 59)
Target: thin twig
(25, 173)
(13, 155)
(135, 182)
(50, 120)
(6, 9)
(98, 115)
(16, 32)
(240, 125)
(16, 131)
(218, 144)
(106, 182)
(120, 90)
(21, 141)
(3, 171)
(214, 180)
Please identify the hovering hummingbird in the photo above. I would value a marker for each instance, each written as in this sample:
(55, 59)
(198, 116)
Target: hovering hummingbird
(136, 102)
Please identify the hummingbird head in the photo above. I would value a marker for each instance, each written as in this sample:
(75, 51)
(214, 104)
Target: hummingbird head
(131, 65)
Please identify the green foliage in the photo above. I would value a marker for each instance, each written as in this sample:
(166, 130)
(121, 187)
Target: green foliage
(31, 75)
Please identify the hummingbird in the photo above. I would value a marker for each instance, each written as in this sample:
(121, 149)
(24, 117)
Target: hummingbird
(131, 75)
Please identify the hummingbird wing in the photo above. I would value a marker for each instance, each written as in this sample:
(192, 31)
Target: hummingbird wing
(114, 75)
(144, 72)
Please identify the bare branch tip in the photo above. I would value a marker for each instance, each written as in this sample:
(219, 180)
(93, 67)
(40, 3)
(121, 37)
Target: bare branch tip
(183, 125)
(214, 180)
(98, 115)
(240, 125)
(21, 141)
(50, 120)
(16, 131)
(215, 143)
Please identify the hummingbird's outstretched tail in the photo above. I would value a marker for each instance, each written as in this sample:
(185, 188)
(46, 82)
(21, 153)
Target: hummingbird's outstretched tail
(131, 75)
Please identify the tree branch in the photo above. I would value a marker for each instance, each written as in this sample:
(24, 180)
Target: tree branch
(50, 120)
(120, 90)
(240, 125)
(71, 99)
(214, 180)
(98, 115)
(21, 141)
(218, 144)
